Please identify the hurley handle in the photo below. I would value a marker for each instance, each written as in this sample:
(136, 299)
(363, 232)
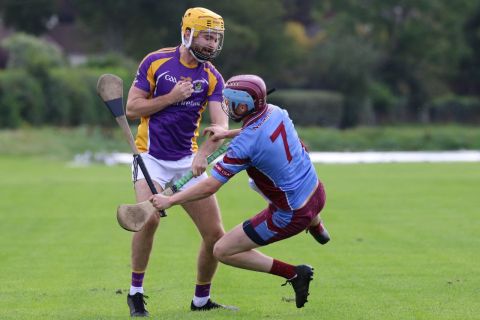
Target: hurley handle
(189, 175)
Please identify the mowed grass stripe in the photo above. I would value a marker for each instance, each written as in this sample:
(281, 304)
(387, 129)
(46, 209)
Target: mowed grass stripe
(405, 246)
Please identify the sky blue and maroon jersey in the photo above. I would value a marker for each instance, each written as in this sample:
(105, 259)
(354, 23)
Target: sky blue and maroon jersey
(171, 133)
(269, 149)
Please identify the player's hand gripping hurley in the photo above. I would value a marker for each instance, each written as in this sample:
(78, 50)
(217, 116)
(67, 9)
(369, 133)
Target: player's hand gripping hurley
(110, 89)
(132, 217)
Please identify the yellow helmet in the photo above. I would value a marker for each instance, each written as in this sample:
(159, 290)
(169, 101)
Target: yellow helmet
(197, 20)
(200, 19)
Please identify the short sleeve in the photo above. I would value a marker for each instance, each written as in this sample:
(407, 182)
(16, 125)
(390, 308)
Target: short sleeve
(215, 84)
(141, 80)
(235, 160)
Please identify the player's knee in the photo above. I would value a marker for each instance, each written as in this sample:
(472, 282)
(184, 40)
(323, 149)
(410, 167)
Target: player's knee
(220, 252)
(211, 239)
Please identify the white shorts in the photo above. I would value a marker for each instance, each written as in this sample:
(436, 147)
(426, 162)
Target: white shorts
(163, 171)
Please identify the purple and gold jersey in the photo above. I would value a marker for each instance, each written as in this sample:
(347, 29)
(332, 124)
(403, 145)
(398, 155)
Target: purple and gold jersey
(171, 133)
(269, 149)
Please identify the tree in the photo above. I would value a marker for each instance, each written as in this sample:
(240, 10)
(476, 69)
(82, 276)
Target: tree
(132, 27)
(28, 16)
(468, 79)
(418, 40)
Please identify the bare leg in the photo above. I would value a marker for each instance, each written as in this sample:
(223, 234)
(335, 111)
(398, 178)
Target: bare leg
(236, 249)
(142, 241)
(318, 231)
(315, 221)
(206, 216)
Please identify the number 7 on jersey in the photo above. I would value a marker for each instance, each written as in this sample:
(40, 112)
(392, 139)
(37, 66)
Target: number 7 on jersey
(281, 131)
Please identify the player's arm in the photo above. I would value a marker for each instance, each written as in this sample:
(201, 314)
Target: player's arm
(201, 190)
(220, 119)
(139, 103)
(218, 132)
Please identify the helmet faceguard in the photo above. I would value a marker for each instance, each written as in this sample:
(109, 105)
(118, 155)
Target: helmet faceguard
(244, 95)
(237, 104)
(205, 40)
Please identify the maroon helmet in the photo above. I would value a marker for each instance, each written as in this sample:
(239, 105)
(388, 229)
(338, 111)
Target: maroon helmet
(251, 84)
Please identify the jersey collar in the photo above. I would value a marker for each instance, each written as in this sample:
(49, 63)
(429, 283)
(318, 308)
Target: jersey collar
(254, 117)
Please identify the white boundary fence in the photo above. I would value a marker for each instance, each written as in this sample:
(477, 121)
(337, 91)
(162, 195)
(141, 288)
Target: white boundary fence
(403, 156)
(322, 157)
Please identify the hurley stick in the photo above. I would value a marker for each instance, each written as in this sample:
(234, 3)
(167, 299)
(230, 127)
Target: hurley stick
(110, 89)
(132, 217)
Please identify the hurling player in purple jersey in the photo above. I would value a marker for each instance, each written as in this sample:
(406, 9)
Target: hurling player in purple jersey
(171, 90)
(269, 149)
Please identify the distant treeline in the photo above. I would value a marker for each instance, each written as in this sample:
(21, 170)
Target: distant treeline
(336, 63)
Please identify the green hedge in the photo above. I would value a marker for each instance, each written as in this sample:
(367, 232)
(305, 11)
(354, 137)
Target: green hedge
(310, 107)
(32, 54)
(452, 108)
(64, 97)
(73, 99)
(67, 97)
(408, 138)
(70, 100)
(21, 99)
(38, 88)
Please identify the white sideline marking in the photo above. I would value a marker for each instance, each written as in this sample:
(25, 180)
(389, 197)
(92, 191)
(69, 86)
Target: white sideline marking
(395, 156)
(320, 157)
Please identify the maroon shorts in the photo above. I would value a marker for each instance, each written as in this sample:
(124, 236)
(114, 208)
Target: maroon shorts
(272, 224)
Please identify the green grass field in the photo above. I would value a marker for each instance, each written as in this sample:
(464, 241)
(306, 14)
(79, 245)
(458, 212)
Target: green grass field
(405, 245)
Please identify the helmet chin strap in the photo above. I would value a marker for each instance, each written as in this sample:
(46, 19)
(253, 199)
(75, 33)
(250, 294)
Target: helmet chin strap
(190, 39)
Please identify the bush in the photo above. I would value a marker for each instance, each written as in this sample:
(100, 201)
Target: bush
(73, 100)
(383, 102)
(21, 99)
(32, 54)
(70, 101)
(111, 60)
(310, 107)
(407, 138)
(452, 108)
(65, 97)
(101, 114)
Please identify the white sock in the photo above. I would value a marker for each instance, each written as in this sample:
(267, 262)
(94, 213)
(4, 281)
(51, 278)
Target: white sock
(200, 301)
(134, 290)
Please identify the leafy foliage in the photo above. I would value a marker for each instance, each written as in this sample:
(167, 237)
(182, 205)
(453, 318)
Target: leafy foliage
(390, 60)
(21, 99)
(311, 107)
(32, 17)
(32, 54)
